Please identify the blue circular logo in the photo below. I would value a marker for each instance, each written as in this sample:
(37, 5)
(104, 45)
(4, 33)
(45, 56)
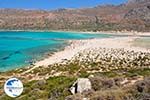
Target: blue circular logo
(13, 87)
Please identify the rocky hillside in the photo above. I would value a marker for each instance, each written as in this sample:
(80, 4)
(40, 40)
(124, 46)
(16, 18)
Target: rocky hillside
(133, 15)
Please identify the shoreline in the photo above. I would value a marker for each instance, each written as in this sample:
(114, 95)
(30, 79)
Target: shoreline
(77, 46)
(123, 33)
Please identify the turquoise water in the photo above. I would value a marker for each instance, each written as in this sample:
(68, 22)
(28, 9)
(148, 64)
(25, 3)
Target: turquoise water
(19, 49)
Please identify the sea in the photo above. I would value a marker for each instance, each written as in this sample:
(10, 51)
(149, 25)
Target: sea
(21, 48)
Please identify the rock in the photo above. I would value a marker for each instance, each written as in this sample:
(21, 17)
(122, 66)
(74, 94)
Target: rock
(81, 85)
(86, 99)
(41, 82)
(90, 76)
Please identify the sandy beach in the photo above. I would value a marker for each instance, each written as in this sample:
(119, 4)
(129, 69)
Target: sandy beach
(129, 33)
(77, 46)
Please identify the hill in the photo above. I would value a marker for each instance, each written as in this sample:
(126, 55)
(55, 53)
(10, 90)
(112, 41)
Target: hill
(133, 15)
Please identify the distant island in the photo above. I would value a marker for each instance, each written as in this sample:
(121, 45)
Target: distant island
(131, 16)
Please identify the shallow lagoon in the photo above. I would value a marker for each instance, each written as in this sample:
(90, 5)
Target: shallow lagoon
(19, 49)
(143, 42)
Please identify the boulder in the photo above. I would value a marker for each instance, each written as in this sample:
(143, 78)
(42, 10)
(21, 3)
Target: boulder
(81, 85)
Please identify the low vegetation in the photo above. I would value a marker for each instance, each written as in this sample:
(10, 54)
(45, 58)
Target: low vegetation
(105, 85)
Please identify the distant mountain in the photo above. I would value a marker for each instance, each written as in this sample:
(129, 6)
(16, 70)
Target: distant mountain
(137, 1)
(133, 15)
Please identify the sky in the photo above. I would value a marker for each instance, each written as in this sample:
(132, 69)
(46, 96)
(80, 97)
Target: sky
(55, 4)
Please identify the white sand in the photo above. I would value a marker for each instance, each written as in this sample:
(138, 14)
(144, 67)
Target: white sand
(79, 45)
